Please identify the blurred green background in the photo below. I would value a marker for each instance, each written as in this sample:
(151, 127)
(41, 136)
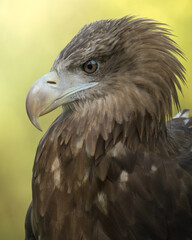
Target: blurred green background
(32, 33)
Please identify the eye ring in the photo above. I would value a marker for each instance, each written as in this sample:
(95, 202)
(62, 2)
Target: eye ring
(90, 66)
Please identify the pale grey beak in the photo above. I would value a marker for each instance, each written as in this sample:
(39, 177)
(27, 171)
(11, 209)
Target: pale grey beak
(49, 92)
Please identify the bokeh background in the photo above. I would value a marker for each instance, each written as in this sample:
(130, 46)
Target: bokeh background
(32, 33)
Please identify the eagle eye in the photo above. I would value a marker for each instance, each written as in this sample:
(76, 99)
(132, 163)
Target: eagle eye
(90, 66)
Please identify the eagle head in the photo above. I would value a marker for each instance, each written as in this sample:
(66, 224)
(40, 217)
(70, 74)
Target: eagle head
(126, 68)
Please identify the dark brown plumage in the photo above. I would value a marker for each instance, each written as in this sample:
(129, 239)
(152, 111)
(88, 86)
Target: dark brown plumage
(110, 167)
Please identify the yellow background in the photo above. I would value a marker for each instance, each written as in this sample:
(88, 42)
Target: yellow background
(32, 33)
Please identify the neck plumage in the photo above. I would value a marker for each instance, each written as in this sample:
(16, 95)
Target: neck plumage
(100, 124)
(81, 143)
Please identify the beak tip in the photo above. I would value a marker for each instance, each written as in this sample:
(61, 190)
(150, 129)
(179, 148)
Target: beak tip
(32, 113)
(38, 127)
(35, 122)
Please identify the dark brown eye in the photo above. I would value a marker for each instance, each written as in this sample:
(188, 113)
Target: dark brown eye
(90, 66)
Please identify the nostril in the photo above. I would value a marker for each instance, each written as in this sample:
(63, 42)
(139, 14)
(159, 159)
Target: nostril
(51, 82)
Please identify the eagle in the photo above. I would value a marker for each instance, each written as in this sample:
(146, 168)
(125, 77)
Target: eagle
(114, 165)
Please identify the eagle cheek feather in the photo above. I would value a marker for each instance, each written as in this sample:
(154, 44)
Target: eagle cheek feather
(110, 163)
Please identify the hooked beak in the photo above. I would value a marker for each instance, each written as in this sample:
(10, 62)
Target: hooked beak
(49, 92)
